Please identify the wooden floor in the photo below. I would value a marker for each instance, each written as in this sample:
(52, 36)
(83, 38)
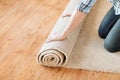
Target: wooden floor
(24, 25)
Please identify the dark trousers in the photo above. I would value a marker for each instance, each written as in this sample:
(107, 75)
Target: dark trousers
(110, 31)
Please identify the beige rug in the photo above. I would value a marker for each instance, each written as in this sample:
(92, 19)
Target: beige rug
(83, 49)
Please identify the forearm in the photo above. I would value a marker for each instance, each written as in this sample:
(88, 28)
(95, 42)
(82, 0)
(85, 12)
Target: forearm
(76, 18)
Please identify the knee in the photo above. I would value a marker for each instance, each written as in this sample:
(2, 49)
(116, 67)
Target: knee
(111, 47)
(101, 35)
(101, 32)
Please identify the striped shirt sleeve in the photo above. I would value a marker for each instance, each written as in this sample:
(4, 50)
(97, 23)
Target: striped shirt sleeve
(85, 5)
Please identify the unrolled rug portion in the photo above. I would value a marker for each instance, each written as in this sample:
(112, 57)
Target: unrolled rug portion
(83, 49)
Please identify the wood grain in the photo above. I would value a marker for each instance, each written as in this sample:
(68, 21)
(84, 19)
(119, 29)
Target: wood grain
(24, 26)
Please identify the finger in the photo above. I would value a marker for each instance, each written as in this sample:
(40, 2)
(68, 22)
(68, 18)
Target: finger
(66, 15)
(49, 40)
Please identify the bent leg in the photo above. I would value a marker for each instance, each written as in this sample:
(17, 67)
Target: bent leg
(112, 41)
(107, 23)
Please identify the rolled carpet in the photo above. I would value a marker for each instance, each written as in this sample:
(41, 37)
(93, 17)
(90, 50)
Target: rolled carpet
(83, 49)
(57, 53)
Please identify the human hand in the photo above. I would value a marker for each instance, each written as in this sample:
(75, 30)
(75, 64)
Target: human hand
(58, 36)
(55, 37)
